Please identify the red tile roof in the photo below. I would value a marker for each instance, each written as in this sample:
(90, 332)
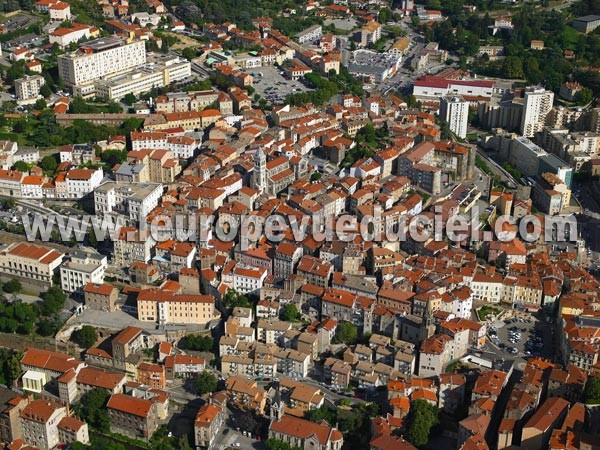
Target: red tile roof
(40, 410)
(127, 335)
(130, 405)
(71, 424)
(44, 359)
(100, 289)
(303, 429)
(206, 415)
(99, 378)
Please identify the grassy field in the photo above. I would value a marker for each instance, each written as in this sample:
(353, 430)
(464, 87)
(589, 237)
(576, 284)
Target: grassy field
(182, 41)
(571, 38)
(15, 137)
(484, 311)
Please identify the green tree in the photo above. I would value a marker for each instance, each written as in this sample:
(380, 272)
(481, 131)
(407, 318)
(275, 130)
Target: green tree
(45, 91)
(98, 444)
(8, 203)
(591, 394)
(385, 15)
(513, 67)
(512, 170)
(47, 326)
(584, 96)
(86, 336)
(49, 164)
(10, 366)
(92, 240)
(40, 104)
(315, 176)
(290, 313)
(276, 444)
(114, 108)
(53, 301)
(21, 166)
(129, 99)
(161, 440)
(17, 70)
(189, 53)
(366, 134)
(131, 124)
(12, 286)
(346, 333)
(92, 409)
(421, 418)
(232, 299)
(205, 383)
(323, 413)
(198, 342)
(113, 157)
(20, 126)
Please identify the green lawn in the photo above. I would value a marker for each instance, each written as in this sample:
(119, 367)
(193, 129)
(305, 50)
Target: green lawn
(484, 311)
(15, 137)
(571, 38)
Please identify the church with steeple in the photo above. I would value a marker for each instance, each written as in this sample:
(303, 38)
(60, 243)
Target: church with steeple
(272, 176)
(259, 176)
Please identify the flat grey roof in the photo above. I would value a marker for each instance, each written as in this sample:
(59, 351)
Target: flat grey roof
(590, 18)
(103, 43)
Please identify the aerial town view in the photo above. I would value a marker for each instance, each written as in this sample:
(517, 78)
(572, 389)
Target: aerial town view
(300, 225)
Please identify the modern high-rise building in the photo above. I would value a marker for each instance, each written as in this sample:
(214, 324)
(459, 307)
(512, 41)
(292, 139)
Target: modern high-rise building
(537, 106)
(454, 109)
(98, 58)
(156, 74)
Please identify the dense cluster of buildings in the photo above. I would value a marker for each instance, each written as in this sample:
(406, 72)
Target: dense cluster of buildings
(417, 304)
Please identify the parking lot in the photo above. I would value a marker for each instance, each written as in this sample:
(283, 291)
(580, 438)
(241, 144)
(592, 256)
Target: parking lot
(523, 337)
(273, 86)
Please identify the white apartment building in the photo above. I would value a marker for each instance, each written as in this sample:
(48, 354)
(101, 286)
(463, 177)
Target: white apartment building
(183, 147)
(537, 106)
(77, 153)
(84, 267)
(143, 79)
(28, 87)
(99, 58)
(270, 331)
(10, 182)
(132, 245)
(8, 151)
(28, 155)
(454, 110)
(66, 36)
(40, 421)
(311, 34)
(248, 280)
(133, 200)
(59, 12)
(81, 182)
(32, 262)
(153, 140)
(32, 187)
(488, 288)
